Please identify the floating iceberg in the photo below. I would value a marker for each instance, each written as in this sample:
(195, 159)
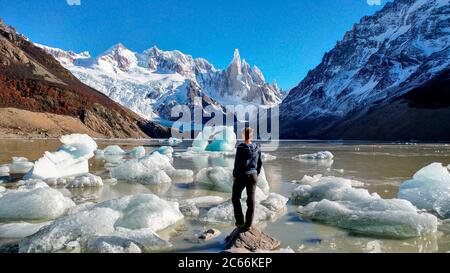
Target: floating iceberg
(268, 208)
(267, 157)
(86, 180)
(113, 150)
(19, 165)
(189, 209)
(33, 202)
(222, 179)
(132, 218)
(127, 241)
(336, 202)
(223, 139)
(137, 152)
(206, 200)
(171, 141)
(324, 155)
(429, 189)
(165, 150)
(152, 169)
(71, 159)
(4, 169)
(395, 218)
(318, 187)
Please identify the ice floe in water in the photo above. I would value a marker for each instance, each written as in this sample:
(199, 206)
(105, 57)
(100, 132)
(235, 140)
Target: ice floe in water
(127, 241)
(268, 208)
(86, 180)
(20, 229)
(115, 151)
(335, 202)
(137, 152)
(267, 157)
(33, 202)
(171, 141)
(4, 169)
(190, 207)
(19, 165)
(222, 179)
(70, 159)
(324, 155)
(108, 225)
(152, 169)
(322, 159)
(318, 187)
(429, 189)
(223, 139)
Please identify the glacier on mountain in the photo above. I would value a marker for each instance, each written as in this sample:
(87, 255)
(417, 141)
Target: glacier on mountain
(152, 82)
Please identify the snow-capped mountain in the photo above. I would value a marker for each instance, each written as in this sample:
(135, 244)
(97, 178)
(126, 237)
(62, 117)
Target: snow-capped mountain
(379, 62)
(152, 82)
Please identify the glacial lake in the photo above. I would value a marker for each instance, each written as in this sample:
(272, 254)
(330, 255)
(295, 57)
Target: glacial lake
(381, 167)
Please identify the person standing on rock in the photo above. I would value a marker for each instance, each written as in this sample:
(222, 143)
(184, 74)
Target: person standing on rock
(247, 167)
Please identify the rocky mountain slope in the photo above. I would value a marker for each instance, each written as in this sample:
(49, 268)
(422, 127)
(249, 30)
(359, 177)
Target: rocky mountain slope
(33, 81)
(388, 79)
(151, 83)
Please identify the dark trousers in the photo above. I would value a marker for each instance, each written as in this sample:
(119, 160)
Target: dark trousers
(248, 182)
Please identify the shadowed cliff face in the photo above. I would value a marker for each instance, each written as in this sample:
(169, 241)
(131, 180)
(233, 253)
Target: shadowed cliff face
(32, 80)
(386, 80)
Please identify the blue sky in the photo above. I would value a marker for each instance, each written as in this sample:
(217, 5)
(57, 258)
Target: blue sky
(285, 38)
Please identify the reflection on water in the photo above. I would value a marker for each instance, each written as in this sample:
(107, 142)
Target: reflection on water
(381, 167)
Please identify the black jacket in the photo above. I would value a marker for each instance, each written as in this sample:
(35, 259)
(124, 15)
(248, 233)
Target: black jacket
(248, 160)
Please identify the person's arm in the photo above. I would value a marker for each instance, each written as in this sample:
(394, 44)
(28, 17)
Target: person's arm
(259, 162)
(237, 162)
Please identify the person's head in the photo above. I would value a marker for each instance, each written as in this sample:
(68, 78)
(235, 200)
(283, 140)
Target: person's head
(248, 134)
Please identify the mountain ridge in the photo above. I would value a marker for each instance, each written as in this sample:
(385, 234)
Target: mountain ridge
(384, 57)
(32, 80)
(144, 81)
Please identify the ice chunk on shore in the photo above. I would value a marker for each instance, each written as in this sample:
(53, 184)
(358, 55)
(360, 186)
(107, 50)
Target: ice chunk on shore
(222, 179)
(324, 155)
(33, 202)
(20, 229)
(336, 202)
(429, 189)
(133, 218)
(268, 209)
(86, 180)
(70, 159)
